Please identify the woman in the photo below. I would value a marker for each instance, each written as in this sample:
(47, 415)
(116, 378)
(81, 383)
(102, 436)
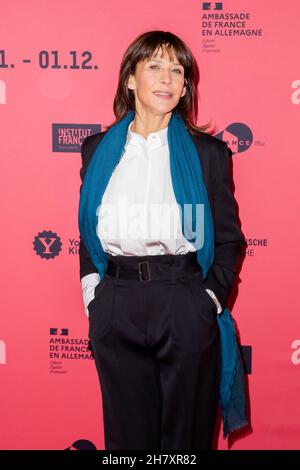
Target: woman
(159, 242)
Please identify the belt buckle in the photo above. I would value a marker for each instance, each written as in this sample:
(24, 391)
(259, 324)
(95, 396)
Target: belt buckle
(140, 271)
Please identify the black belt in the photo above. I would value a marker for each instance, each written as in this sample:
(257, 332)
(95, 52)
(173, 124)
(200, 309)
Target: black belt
(153, 267)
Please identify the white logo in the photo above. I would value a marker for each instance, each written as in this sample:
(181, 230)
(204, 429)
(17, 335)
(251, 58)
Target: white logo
(2, 92)
(295, 98)
(2, 352)
(295, 357)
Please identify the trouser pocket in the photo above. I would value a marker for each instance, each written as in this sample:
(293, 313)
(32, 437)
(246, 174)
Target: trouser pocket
(101, 308)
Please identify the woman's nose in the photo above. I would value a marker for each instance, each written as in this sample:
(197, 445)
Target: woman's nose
(165, 76)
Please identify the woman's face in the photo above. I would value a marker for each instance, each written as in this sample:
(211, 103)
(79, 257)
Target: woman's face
(158, 84)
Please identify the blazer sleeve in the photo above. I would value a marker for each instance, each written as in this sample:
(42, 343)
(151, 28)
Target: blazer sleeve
(229, 239)
(86, 265)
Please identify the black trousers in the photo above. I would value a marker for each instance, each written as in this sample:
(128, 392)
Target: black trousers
(156, 347)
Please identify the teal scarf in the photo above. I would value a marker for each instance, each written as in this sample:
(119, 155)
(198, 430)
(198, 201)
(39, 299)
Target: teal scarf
(190, 192)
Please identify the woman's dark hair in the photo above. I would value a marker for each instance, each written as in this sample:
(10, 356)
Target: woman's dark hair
(145, 46)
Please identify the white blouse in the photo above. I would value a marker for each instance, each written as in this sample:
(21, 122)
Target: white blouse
(135, 216)
(139, 213)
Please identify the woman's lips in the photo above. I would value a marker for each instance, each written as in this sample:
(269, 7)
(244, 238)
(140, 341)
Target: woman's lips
(164, 96)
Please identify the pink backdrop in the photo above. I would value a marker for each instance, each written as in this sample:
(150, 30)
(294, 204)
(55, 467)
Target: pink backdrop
(249, 86)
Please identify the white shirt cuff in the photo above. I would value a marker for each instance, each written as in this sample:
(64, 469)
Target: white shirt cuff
(213, 296)
(88, 284)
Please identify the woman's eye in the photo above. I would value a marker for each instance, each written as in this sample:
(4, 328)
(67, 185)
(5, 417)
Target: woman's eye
(175, 70)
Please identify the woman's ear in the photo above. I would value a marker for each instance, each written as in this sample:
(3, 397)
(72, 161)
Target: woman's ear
(184, 89)
(130, 83)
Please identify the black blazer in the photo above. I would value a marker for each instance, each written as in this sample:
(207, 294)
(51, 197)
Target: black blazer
(229, 239)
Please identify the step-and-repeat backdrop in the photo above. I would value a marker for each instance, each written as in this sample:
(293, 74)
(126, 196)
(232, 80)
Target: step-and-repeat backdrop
(59, 64)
